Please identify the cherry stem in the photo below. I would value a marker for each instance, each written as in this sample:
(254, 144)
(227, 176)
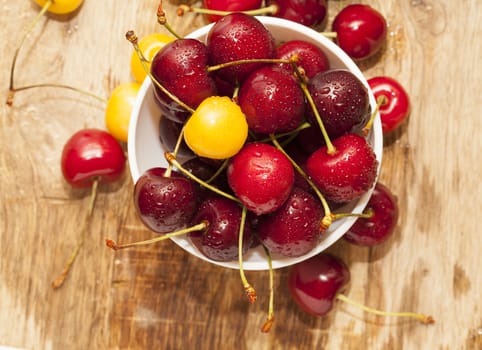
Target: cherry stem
(219, 171)
(331, 35)
(52, 85)
(133, 39)
(27, 31)
(175, 152)
(162, 20)
(425, 319)
(369, 213)
(268, 10)
(247, 61)
(270, 319)
(381, 100)
(330, 148)
(249, 290)
(302, 126)
(59, 281)
(114, 246)
(328, 217)
(171, 159)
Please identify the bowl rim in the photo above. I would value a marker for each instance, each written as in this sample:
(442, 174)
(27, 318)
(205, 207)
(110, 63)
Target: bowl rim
(340, 226)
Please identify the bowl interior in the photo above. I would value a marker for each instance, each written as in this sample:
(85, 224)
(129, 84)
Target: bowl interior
(145, 149)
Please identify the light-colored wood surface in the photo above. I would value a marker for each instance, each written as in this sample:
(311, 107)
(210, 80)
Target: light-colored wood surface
(158, 297)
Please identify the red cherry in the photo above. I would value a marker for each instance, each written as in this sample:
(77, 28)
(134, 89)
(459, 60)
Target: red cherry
(315, 283)
(230, 5)
(377, 228)
(396, 105)
(261, 176)
(307, 12)
(346, 174)
(361, 30)
(92, 154)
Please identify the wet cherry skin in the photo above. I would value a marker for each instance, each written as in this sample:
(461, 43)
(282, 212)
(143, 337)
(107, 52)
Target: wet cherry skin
(92, 154)
(315, 283)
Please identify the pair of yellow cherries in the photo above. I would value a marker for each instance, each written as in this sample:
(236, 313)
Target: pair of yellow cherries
(217, 128)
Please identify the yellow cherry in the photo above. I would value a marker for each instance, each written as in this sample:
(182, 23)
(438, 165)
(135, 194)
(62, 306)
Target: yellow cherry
(217, 129)
(60, 7)
(149, 45)
(119, 108)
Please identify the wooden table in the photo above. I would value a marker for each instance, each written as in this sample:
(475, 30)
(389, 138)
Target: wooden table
(159, 297)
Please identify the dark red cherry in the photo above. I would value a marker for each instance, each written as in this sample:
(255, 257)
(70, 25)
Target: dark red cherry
(92, 154)
(272, 101)
(220, 240)
(261, 177)
(310, 57)
(315, 283)
(293, 229)
(360, 30)
(341, 100)
(230, 5)
(165, 203)
(379, 227)
(181, 67)
(307, 12)
(346, 174)
(396, 106)
(238, 36)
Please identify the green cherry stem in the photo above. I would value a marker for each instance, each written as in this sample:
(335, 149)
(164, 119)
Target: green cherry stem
(114, 246)
(162, 20)
(171, 159)
(59, 281)
(54, 85)
(329, 216)
(381, 100)
(27, 31)
(330, 148)
(249, 290)
(270, 319)
(425, 319)
(247, 61)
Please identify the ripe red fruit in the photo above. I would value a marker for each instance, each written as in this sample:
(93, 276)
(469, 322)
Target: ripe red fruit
(360, 30)
(181, 67)
(315, 283)
(293, 229)
(376, 229)
(341, 100)
(261, 177)
(238, 36)
(307, 12)
(396, 106)
(92, 154)
(165, 203)
(310, 57)
(220, 239)
(272, 101)
(346, 174)
(230, 5)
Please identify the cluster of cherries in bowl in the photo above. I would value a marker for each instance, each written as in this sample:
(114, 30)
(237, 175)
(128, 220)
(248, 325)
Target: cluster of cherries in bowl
(266, 125)
(270, 126)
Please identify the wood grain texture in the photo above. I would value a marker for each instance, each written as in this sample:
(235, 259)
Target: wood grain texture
(159, 297)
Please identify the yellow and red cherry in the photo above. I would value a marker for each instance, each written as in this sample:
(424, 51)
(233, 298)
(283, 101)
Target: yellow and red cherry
(395, 103)
(217, 129)
(92, 155)
(60, 7)
(149, 46)
(119, 108)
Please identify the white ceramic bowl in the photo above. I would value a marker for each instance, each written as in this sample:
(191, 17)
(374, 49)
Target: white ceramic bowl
(146, 150)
